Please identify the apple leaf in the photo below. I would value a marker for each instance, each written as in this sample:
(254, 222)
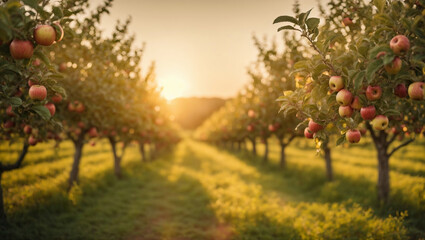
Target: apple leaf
(312, 23)
(286, 27)
(341, 140)
(285, 19)
(42, 111)
(358, 79)
(15, 101)
(372, 68)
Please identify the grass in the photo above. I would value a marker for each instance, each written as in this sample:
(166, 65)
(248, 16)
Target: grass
(198, 191)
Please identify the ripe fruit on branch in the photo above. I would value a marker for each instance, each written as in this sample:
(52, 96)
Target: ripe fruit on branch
(394, 67)
(373, 93)
(251, 113)
(347, 21)
(21, 49)
(93, 132)
(400, 44)
(314, 127)
(81, 124)
(363, 131)
(36, 62)
(368, 113)
(308, 133)
(8, 124)
(250, 128)
(9, 111)
(57, 98)
(271, 128)
(345, 111)
(380, 54)
(59, 31)
(51, 107)
(125, 129)
(400, 90)
(353, 136)
(37, 92)
(32, 141)
(380, 122)
(31, 83)
(416, 91)
(62, 67)
(356, 103)
(344, 97)
(27, 129)
(78, 107)
(336, 83)
(44, 35)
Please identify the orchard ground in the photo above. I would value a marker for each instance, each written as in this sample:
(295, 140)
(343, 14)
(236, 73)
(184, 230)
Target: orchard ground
(200, 191)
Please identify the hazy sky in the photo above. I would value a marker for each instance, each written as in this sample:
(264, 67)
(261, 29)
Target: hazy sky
(201, 48)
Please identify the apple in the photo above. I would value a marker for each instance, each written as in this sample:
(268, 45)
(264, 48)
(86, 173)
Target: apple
(251, 113)
(353, 136)
(308, 133)
(79, 106)
(18, 92)
(10, 112)
(368, 113)
(380, 54)
(400, 90)
(44, 35)
(345, 111)
(363, 131)
(38, 92)
(314, 127)
(36, 62)
(344, 97)
(373, 93)
(51, 107)
(32, 141)
(21, 49)
(380, 122)
(356, 103)
(400, 44)
(250, 128)
(81, 124)
(394, 67)
(59, 31)
(347, 21)
(113, 133)
(336, 83)
(8, 124)
(125, 129)
(27, 129)
(272, 128)
(416, 91)
(62, 67)
(57, 98)
(77, 131)
(71, 107)
(31, 83)
(93, 132)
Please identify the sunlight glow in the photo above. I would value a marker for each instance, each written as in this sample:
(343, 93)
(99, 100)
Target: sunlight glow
(173, 86)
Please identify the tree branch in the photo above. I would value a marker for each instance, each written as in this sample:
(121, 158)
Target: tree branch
(392, 139)
(400, 146)
(324, 60)
(18, 162)
(372, 133)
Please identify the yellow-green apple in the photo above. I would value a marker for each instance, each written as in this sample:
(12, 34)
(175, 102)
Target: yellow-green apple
(44, 35)
(353, 135)
(51, 107)
(373, 93)
(416, 91)
(308, 133)
(345, 111)
(344, 97)
(368, 113)
(37, 92)
(380, 122)
(400, 90)
(314, 127)
(336, 83)
(400, 44)
(394, 67)
(356, 103)
(21, 49)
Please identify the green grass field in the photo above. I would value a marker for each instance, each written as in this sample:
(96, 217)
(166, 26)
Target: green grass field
(199, 191)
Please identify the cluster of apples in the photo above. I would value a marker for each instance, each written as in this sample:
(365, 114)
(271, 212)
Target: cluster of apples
(76, 106)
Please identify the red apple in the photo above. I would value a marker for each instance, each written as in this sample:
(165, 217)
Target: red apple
(71, 107)
(8, 124)
(353, 136)
(380, 54)
(336, 83)
(38, 92)
(380, 122)
(31, 83)
(368, 113)
(373, 93)
(32, 141)
(356, 103)
(27, 129)
(308, 133)
(62, 67)
(250, 128)
(394, 67)
(51, 107)
(345, 111)
(400, 90)
(251, 113)
(272, 128)
(79, 107)
(81, 124)
(57, 98)
(344, 97)
(125, 129)
(314, 127)
(400, 44)
(363, 131)
(10, 112)
(416, 91)
(347, 21)
(44, 35)
(59, 31)
(21, 49)
(93, 132)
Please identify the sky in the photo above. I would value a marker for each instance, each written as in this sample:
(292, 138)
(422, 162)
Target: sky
(201, 48)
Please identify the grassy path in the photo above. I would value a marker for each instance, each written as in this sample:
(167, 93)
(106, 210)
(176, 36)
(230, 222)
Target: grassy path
(196, 192)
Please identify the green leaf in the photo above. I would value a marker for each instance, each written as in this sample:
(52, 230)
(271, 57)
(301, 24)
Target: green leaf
(379, 4)
(285, 19)
(312, 23)
(42, 111)
(372, 68)
(380, 48)
(358, 80)
(341, 140)
(42, 57)
(392, 112)
(286, 27)
(58, 12)
(15, 101)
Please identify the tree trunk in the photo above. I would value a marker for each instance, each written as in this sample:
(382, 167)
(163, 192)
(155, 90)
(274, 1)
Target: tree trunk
(329, 171)
(383, 175)
(254, 148)
(117, 158)
(282, 155)
(73, 176)
(266, 150)
(142, 151)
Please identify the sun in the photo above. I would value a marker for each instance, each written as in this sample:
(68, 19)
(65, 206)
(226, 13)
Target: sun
(173, 86)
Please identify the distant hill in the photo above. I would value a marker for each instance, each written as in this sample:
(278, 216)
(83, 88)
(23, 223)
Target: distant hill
(192, 112)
